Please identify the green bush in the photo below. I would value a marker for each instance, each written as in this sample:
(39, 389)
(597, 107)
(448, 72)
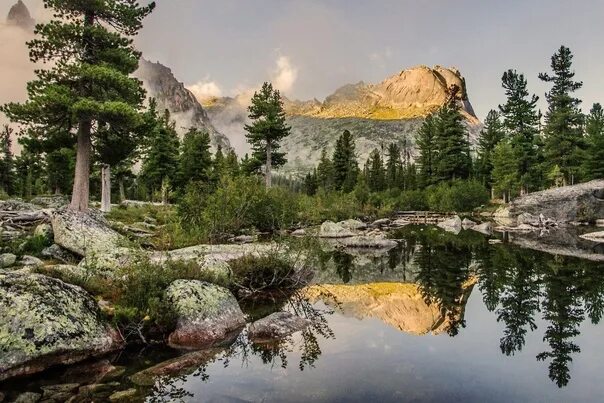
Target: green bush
(411, 200)
(460, 196)
(255, 274)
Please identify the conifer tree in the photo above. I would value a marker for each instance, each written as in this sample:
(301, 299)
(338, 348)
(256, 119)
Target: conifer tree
(394, 166)
(454, 161)
(594, 130)
(90, 47)
(521, 123)
(374, 172)
(325, 172)
(59, 166)
(267, 129)
(345, 167)
(195, 163)
(504, 175)
(563, 121)
(311, 183)
(426, 145)
(490, 136)
(7, 163)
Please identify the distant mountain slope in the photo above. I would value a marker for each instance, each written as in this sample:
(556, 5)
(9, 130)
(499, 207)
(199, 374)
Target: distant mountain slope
(185, 109)
(19, 15)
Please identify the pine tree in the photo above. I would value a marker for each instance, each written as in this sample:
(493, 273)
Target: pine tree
(59, 165)
(195, 163)
(394, 166)
(426, 145)
(490, 136)
(267, 129)
(521, 123)
(594, 130)
(454, 161)
(231, 163)
(345, 167)
(160, 162)
(311, 184)
(7, 163)
(563, 121)
(325, 173)
(375, 174)
(90, 47)
(504, 175)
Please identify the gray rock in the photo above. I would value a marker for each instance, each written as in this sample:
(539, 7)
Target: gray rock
(299, 232)
(56, 252)
(84, 233)
(59, 393)
(174, 367)
(398, 223)
(369, 242)
(276, 326)
(330, 229)
(600, 223)
(383, 222)
(52, 201)
(44, 230)
(577, 203)
(353, 225)
(7, 260)
(484, 228)
(123, 395)
(467, 223)
(243, 239)
(207, 314)
(594, 236)
(528, 219)
(32, 261)
(28, 397)
(17, 205)
(44, 322)
(451, 225)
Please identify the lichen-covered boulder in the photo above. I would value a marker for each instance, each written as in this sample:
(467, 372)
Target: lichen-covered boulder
(51, 201)
(44, 322)
(7, 260)
(44, 230)
(207, 314)
(31, 261)
(330, 229)
(276, 326)
(84, 233)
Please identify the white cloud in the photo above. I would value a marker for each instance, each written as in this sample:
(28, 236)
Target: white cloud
(285, 75)
(205, 89)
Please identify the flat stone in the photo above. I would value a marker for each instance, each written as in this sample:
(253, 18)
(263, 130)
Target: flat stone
(276, 326)
(173, 367)
(370, 242)
(398, 223)
(299, 232)
(382, 222)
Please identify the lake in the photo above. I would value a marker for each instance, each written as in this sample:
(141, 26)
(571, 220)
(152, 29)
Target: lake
(441, 317)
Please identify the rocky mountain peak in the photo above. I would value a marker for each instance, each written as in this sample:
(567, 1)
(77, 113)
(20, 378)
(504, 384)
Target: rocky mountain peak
(19, 15)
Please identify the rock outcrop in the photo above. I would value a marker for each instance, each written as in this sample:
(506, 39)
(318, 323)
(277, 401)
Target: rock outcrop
(44, 322)
(19, 15)
(170, 94)
(577, 203)
(207, 315)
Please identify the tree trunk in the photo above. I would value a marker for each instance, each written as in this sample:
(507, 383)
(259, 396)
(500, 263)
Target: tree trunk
(81, 186)
(164, 191)
(122, 190)
(106, 188)
(269, 162)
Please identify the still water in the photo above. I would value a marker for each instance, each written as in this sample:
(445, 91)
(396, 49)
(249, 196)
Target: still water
(442, 317)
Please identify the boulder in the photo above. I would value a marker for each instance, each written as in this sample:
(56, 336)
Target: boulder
(28, 397)
(207, 314)
(17, 205)
(398, 223)
(485, 228)
(56, 252)
(173, 367)
(600, 223)
(467, 223)
(330, 229)
(31, 261)
(578, 203)
(370, 242)
(353, 225)
(299, 232)
(276, 326)
(84, 233)
(451, 224)
(123, 395)
(45, 322)
(52, 201)
(528, 219)
(382, 222)
(243, 239)
(7, 260)
(44, 230)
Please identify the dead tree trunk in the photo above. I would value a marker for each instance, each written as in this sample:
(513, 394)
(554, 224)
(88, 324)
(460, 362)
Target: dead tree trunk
(106, 188)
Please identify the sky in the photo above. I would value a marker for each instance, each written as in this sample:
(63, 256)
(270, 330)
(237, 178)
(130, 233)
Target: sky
(309, 48)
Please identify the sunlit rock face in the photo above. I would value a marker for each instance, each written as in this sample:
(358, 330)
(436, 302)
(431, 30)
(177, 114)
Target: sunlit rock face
(400, 305)
(161, 84)
(376, 114)
(19, 15)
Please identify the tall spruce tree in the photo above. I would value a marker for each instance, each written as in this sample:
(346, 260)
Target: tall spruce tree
(521, 123)
(7, 163)
(394, 166)
(426, 145)
(374, 172)
(489, 137)
(345, 166)
(504, 175)
(89, 44)
(594, 131)
(563, 130)
(325, 174)
(195, 163)
(267, 129)
(454, 160)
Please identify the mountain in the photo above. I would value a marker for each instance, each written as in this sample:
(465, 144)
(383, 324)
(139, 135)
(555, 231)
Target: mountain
(19, 15)
(160, 83)
(376, 114)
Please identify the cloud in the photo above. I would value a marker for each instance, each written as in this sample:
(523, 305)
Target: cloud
(285, 75)
(205, 89)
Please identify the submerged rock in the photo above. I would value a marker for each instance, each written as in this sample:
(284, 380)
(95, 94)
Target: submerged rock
(453, 224)
(276, 326)
(370, 242)
(84, 233)
(173, 367)
(207, 314)
(44, 322)
(330, 229)
(123, 395)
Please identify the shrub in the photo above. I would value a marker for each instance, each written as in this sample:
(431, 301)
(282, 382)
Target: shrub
(255, 274)
(460, 196)
(412, 200)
